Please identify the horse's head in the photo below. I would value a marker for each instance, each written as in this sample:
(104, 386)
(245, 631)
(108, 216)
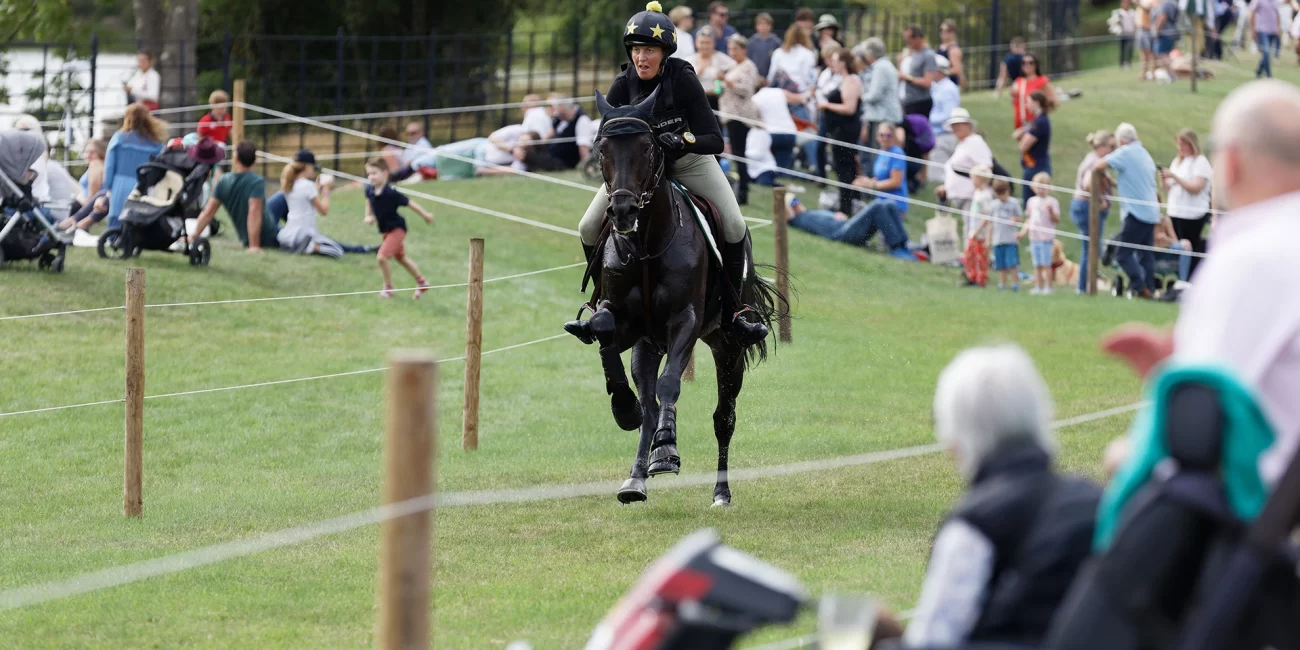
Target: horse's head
(631, 160)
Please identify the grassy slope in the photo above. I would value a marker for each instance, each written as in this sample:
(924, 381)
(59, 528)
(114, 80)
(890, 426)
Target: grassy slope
(871, 335)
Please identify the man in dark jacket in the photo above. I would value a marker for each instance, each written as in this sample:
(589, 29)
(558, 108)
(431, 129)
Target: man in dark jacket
(1006, 555)
(574, 133)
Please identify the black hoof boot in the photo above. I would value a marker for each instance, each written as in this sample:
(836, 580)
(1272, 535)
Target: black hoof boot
(581, 329)
(633, 491)
(664, 460)
(626, 407)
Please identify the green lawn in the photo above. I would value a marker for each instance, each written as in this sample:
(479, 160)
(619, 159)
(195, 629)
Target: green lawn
(870, 336)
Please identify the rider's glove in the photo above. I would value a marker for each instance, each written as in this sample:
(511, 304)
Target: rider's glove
(671, 142)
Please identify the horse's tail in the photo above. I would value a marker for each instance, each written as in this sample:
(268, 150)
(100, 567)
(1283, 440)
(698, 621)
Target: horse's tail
(770, 306)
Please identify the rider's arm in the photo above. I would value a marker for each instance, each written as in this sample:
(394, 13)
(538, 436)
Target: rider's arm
(708, 137)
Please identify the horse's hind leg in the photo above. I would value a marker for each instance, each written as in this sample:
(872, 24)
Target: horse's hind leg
(681, 339)
(627, 412)
(730, 361)
(645, 369)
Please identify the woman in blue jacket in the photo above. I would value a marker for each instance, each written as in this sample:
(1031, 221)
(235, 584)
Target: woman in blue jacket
(140, 139)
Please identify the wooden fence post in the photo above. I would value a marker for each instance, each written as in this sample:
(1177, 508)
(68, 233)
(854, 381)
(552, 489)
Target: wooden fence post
(780, 231)
(132, 501)
(406, 544)
(473, 346)
(1094, 230)
(237, 113)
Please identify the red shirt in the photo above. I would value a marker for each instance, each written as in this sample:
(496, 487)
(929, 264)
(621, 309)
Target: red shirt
(218, 130)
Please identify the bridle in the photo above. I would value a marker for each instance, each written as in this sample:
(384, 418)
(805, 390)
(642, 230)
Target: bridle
(657, 160)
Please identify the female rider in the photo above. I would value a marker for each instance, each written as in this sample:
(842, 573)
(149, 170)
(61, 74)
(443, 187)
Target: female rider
(688, 132)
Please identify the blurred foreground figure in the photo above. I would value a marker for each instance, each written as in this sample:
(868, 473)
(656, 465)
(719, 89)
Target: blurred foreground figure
(1005, 557)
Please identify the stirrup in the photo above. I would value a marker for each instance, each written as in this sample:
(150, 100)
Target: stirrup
(581, 328)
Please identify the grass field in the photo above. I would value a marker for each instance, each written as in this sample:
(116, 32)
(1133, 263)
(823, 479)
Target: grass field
(870, 336)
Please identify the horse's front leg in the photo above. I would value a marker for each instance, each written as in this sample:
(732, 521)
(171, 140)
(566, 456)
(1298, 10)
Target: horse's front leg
(682, 335)
(627, 412)
(645, 369)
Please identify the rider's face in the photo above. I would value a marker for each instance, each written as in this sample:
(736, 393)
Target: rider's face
(647, 60)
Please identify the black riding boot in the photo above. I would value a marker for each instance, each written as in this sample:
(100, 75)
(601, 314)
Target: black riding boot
(746, 332)
(582, 328)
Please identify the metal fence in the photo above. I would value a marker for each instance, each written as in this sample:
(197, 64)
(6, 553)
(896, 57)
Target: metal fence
(345, 73)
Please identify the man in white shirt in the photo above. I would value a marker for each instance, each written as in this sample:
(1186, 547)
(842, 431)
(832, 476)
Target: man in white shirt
(537, 118)
(420, 145)
(1243, 312)
(146, 85)
(946, 96)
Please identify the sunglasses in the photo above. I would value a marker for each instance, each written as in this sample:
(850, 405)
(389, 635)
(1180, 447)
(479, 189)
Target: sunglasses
(884, 135)
(1030, 62)
(724, 14)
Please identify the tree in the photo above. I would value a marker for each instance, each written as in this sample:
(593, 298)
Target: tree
(36, 20)
(168, 29)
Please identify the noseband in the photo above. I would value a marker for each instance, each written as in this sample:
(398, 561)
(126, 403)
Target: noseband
(621, 127)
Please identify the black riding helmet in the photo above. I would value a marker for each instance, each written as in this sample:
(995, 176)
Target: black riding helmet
(651, 27)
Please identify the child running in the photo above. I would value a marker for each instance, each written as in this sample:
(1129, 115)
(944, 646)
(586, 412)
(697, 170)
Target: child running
(1044, 214)
(1007, 215)
(382, 202)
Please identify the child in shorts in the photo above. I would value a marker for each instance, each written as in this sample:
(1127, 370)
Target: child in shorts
(1044, 213)
(1007, 217)
(382, 202)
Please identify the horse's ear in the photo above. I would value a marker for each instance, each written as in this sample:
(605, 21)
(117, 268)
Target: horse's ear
(647, 106)
(602, 104)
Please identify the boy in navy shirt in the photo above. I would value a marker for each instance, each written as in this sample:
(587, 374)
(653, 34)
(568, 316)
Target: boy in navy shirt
(382, 202)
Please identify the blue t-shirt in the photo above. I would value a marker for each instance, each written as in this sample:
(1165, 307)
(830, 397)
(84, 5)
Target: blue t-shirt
(884, 165)
(1038, 156)
(1136, 180)
(1015, 66)
(384, 205)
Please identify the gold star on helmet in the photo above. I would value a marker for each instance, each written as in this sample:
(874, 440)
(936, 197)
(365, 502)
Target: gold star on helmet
(631, 28)
(658, 32)
(674, 36)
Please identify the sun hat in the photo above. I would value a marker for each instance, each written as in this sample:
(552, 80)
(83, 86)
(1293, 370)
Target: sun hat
(959, 116)
(826, 20)
(942, 63)
(207, 152)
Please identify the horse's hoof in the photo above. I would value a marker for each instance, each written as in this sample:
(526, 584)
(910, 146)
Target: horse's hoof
(721, 502)
(626, 408)
(664, 460)
(581, 329)
(633, 491)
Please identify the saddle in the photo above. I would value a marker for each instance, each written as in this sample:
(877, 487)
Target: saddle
(706, 216)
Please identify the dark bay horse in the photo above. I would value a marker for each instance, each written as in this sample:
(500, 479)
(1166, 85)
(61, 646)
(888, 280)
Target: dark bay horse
(658, 292)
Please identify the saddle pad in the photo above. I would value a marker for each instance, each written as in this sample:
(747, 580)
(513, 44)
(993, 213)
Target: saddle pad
(709, 225)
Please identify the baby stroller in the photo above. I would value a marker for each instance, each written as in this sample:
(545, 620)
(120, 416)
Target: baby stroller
(168, 191)
(25, 233)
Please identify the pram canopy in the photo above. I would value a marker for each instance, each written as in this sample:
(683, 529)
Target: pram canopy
(19, 150)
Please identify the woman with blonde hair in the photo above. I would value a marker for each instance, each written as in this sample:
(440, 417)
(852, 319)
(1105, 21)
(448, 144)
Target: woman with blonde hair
(307, 195)
(140, 139)
(794, 70)
(1102, 143)
(683, 19)
(1188, 182)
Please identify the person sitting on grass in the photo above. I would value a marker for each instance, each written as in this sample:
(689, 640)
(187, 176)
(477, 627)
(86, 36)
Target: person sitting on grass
(881, 215)
(382, 202)
(243, 193)
(306, 198)
(1006, 218)
(1006, 555)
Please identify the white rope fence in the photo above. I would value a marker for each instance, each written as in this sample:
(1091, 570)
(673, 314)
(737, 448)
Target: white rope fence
(301, 297)
(131, 573)
(261, 384)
